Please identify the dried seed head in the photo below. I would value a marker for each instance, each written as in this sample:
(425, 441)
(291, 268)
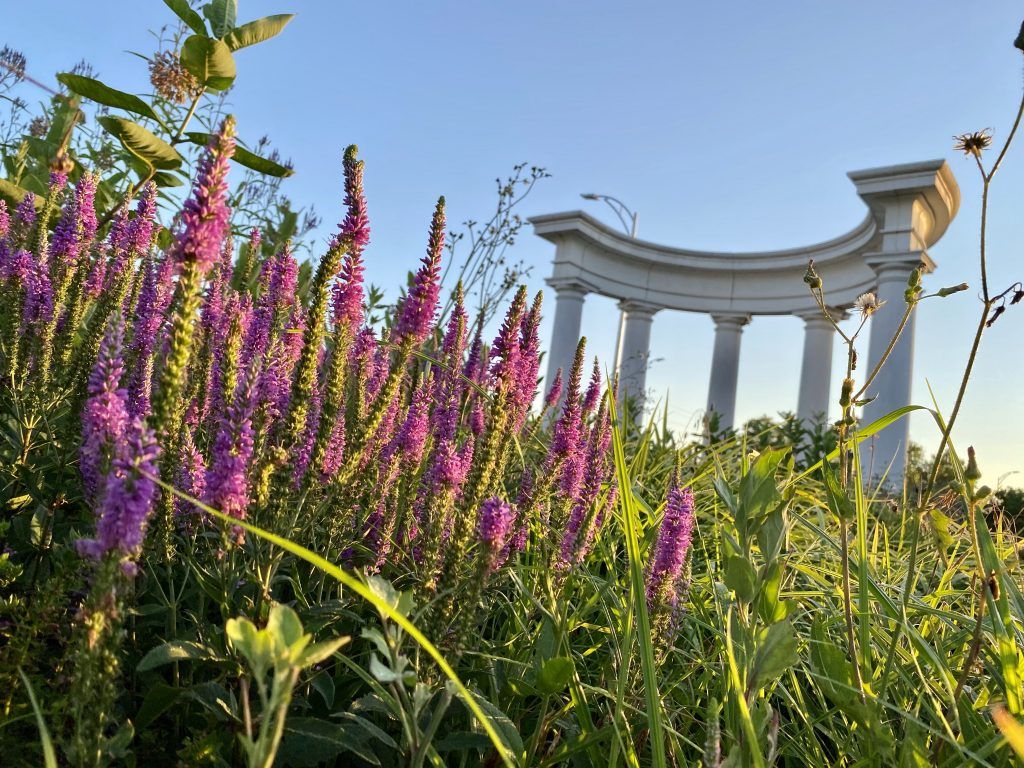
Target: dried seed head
(867, 304)
(170, 79)
(973, 143)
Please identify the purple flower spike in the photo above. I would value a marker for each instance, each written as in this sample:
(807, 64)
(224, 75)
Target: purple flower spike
(416, 315)
(227, 483)
(205, 217)
(191, 477)
(593, 390)
(555, 392)
(127, 502)
(105, 415)
(670, 549)
(494, 527)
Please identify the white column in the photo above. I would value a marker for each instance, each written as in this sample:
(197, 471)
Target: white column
(886, 453)
(816, 368)
(565, 335)
(725, 367)
(636, 348)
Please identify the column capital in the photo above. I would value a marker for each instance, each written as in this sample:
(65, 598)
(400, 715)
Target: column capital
(636, 308)
(889, 265)
(731, 321)
(568, 286)
(816, 318)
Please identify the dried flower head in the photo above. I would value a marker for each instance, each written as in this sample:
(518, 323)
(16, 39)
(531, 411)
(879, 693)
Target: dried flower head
(170, 79)
(973, 143)
(868, 303)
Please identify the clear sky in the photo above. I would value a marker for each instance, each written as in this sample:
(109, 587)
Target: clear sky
(728, 126)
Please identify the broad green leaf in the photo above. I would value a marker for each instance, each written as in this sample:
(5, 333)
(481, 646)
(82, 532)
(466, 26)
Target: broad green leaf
(309, 741)
(144, 145)
(14, 194)
(209, 61)
(159, 698)
(222, 15)
(319, 652)
(775, 654)
(104, 94)
(284, 625)
(177, 650)
(165, 179)
(555, 675)
(382, 672)
(184, 12)
(254, 32)
(740, 578)
(243, 156)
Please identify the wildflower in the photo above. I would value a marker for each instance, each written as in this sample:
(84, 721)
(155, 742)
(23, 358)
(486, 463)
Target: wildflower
(555, 391)
(671, 547)
(416, 315)
(593, 389)
(973, 143)
(495, 520)
(205, 216)
(355, 233)
(867, 304)
(127, 502)
(227, 484)
(191, 477)
(105, 415)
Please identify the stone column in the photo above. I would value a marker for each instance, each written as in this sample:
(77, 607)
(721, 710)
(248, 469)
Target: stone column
(886, 452)
(635, 353)
(565, 335)
(725, 367)
(816, 368)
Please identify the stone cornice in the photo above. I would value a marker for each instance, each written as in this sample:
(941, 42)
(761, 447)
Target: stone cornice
(909, 208)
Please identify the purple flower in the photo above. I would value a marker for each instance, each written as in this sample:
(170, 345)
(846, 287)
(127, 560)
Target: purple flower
(205, 217)
(127, 500)
(555, 392)
(494, 524)
(670, 549)
(154, 299)
(581, 527)
(191, 476)
(227, 481)
(77, 227)
(105, 414)
(416, 314)
(593, 390)
(412, 435)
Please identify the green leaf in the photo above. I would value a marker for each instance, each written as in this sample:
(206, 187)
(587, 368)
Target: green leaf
(177, 650)
(555, 675)
(324, 685)
(319, 652)
(14, 194)
(154, 151)
(209, 61)
(164, 179)
(243, 156)
(839, 502)
(740, 578)
(284, 625)
(49, 753)
(775, 654)
(104, 94)
(222, 15)
(184, 12)
(158, 700)
(254, 32)
(310, 742)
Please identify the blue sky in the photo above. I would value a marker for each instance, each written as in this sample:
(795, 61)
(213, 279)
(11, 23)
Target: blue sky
(728, 126)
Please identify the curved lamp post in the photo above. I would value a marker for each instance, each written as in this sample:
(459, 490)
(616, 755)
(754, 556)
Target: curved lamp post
(629, 220)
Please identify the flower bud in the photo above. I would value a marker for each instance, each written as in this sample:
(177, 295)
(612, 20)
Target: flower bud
(846, 393)
(972, 472)
(811, 276)
(951, 290)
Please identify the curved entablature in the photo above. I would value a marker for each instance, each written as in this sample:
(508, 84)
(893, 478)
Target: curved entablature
(910, 206)
(909, 209)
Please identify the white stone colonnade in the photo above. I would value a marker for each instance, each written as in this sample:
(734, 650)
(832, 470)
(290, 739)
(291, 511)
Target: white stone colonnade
(909, 208)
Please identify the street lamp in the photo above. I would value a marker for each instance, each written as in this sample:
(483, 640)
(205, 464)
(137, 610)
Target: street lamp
(628, 220)
(625, 215)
